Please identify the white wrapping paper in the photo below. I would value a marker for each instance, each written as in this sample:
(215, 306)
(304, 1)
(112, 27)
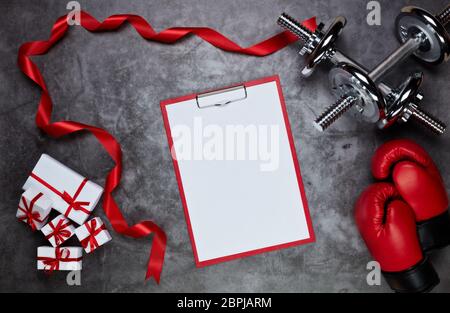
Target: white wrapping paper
(61, 231)
(67, 262)
(33, 201)
(72, 194)
(101, 236)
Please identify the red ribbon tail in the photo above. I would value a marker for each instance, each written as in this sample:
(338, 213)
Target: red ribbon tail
(156, 260)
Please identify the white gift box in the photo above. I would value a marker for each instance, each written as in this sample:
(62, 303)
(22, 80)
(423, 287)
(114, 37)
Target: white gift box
(59, 259)
(92, 234)
(34, 208)
(72, 194)
(58, 230)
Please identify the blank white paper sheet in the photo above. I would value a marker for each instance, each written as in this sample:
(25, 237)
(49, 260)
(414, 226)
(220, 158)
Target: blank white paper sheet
(237, 171)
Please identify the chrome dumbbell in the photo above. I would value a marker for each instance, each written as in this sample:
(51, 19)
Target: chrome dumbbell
(369, 102)
(418, 29)
(318, 45)
(421, 33)
(356, 89)
(404, 106)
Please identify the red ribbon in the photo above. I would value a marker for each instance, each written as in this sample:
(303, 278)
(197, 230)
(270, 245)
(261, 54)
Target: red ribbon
(76, 205)
(61, 255)
(29, 216)
(59, 231)
(93, 231)
(62, 128)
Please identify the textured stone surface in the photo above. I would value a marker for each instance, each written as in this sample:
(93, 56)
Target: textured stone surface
(116, 80)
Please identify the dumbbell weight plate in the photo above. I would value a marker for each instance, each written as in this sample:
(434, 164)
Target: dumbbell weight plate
(326, 42)
(347, 79)
(413, 20)
(406, 94)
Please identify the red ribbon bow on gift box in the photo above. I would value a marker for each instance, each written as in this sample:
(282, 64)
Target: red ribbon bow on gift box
(59, 231)
(29, 216)
(71, 201)
(93, 231)
(62, 128)
(61, 255)
(73, 204)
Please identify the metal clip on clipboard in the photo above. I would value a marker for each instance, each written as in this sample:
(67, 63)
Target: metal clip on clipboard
(221, 97)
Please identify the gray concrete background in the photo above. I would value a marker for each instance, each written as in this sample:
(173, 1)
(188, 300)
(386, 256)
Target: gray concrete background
(116, 80)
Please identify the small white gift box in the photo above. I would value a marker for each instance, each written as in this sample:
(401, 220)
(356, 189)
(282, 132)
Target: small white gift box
(58, 230)
(92, 234)
(59, 259)
(72, 194)
(34, 208)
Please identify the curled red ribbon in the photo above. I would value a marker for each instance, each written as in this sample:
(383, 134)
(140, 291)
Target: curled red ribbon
(29, 216)
(59, 231)
(62, 128)
(61, 255)
(93, 231)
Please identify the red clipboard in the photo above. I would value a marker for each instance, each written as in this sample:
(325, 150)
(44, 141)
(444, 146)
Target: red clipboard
(215, 236)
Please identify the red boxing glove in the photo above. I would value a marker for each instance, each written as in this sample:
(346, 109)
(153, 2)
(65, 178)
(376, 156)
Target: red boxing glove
(387, 225)
(419, 183)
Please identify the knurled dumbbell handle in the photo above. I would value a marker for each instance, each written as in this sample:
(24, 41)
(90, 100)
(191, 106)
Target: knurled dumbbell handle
(295, 27)
(444, 16)
(334, 111)
(423, 118)
(402, 52)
